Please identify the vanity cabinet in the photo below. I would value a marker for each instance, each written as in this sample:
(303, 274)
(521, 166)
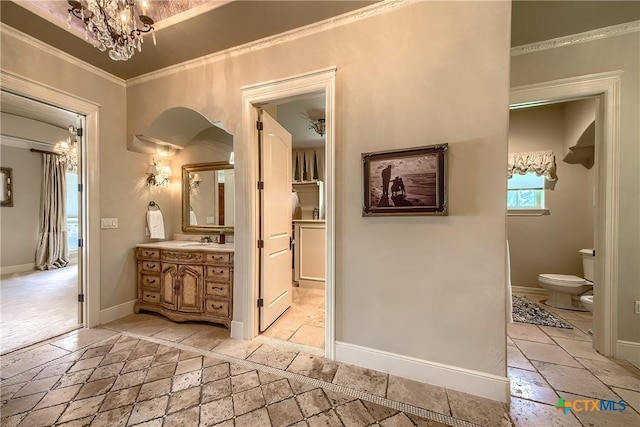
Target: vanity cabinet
(186, 284)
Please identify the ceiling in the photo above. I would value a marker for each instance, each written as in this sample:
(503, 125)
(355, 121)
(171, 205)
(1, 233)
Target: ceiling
(185, 30)
(20, 106)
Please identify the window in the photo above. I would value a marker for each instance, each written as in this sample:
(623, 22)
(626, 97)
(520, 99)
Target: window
(72, 210)
(525, 192)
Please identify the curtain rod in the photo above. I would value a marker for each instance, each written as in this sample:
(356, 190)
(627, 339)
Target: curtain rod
(35, 150)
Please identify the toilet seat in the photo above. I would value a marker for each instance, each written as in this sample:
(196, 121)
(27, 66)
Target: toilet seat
(566, 280)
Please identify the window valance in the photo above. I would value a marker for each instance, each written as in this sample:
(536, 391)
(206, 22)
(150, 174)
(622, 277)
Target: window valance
(543, 163)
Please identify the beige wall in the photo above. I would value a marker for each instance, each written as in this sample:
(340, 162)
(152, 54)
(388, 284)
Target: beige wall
(549, 243)
(416, 76)
(20, 223)
(609, 54)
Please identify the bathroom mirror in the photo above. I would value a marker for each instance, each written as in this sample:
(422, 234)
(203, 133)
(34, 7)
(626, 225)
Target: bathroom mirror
(6, 190)
(208, 197)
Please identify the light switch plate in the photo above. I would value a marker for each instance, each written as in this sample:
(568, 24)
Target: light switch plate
(637, 309)
(109, 223)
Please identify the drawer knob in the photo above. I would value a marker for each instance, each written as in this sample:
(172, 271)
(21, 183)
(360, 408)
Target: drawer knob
(217, 307)
(218, 287)
(151, 281)
(151, 266)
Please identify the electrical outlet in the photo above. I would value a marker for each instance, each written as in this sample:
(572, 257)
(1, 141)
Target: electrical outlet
(637, 309)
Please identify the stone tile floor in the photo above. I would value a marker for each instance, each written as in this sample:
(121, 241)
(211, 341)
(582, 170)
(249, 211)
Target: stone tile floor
(545, 363)
(303, 322)
(145, 370)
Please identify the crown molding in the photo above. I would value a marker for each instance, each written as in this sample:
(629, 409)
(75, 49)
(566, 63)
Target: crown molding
(295, 34)
(6, 30)
(587, 36)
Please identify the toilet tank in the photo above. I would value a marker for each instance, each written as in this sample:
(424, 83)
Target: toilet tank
(588, 260)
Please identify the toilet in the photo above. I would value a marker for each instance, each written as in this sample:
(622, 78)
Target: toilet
(587, 301)
(564, 290)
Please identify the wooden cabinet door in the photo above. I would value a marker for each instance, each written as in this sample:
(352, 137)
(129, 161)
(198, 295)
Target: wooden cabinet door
(190, 294)
(169, 283)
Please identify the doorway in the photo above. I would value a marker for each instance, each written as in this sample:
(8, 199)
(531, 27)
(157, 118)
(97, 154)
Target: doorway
(605, 87)
(302, 324)
(557, 199)
(41, 294)
(314, 84)
(88, 252)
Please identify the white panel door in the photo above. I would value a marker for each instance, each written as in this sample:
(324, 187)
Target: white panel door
(275, 214)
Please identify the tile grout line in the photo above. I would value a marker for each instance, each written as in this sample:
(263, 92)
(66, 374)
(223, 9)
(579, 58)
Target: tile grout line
(403, 407)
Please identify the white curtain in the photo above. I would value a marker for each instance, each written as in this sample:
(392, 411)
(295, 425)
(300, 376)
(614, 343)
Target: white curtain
(543, 163)
(53, 249)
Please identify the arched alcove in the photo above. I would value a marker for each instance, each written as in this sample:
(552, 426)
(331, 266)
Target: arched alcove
(176, 128)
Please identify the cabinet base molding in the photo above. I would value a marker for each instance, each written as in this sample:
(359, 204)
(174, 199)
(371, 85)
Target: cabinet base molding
(180, 317)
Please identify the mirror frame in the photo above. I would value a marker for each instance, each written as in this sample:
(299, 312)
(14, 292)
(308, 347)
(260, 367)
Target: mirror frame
(7, 183)
(200, 167)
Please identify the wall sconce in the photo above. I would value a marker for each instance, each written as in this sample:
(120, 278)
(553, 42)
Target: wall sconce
(231, 159)
(158, 175)
(195, 182)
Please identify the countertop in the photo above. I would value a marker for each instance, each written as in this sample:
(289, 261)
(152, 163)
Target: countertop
(309, 220)
(189, 245)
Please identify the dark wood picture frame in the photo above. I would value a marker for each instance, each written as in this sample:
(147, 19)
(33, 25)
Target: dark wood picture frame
(6, 178)
(415, 180)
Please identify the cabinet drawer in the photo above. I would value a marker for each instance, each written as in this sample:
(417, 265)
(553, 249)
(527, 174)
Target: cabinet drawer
(151, 297)
(218, 289)
(150, 266)
(214, 272)
(185, 257)
(217, 258)
(216, 307)
(150, 281)
(148, 253)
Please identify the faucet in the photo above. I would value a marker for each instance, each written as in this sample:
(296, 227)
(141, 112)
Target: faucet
(206, 239)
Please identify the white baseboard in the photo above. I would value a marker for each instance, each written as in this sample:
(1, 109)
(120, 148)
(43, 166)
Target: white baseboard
(116, 312)
(628, 350)
(20, 268)
(481, 384)
(237, 330)
(528, 290)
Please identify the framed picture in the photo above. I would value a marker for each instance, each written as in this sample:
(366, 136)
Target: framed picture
(6, 187)
(411, 181)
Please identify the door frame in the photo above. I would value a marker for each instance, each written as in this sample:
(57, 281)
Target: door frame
(247, 213)
(89, 255)
(605, 87)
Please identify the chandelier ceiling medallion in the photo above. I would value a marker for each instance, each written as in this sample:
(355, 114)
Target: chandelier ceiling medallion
(111, 25)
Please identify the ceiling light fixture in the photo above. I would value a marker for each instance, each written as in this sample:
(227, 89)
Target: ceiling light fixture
(111, 25)
(318, 125)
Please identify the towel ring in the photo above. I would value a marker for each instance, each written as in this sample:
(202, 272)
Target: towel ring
(153, 204)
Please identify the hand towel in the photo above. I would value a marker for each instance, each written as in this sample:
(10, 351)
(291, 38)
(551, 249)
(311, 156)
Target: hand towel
(155, 224)
(192, 218)
(295, 202)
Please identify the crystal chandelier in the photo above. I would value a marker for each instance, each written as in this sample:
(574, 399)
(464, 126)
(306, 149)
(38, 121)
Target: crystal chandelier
(69, 149)
(111, 25)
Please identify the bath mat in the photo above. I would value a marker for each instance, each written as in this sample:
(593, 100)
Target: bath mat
(526, 311)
